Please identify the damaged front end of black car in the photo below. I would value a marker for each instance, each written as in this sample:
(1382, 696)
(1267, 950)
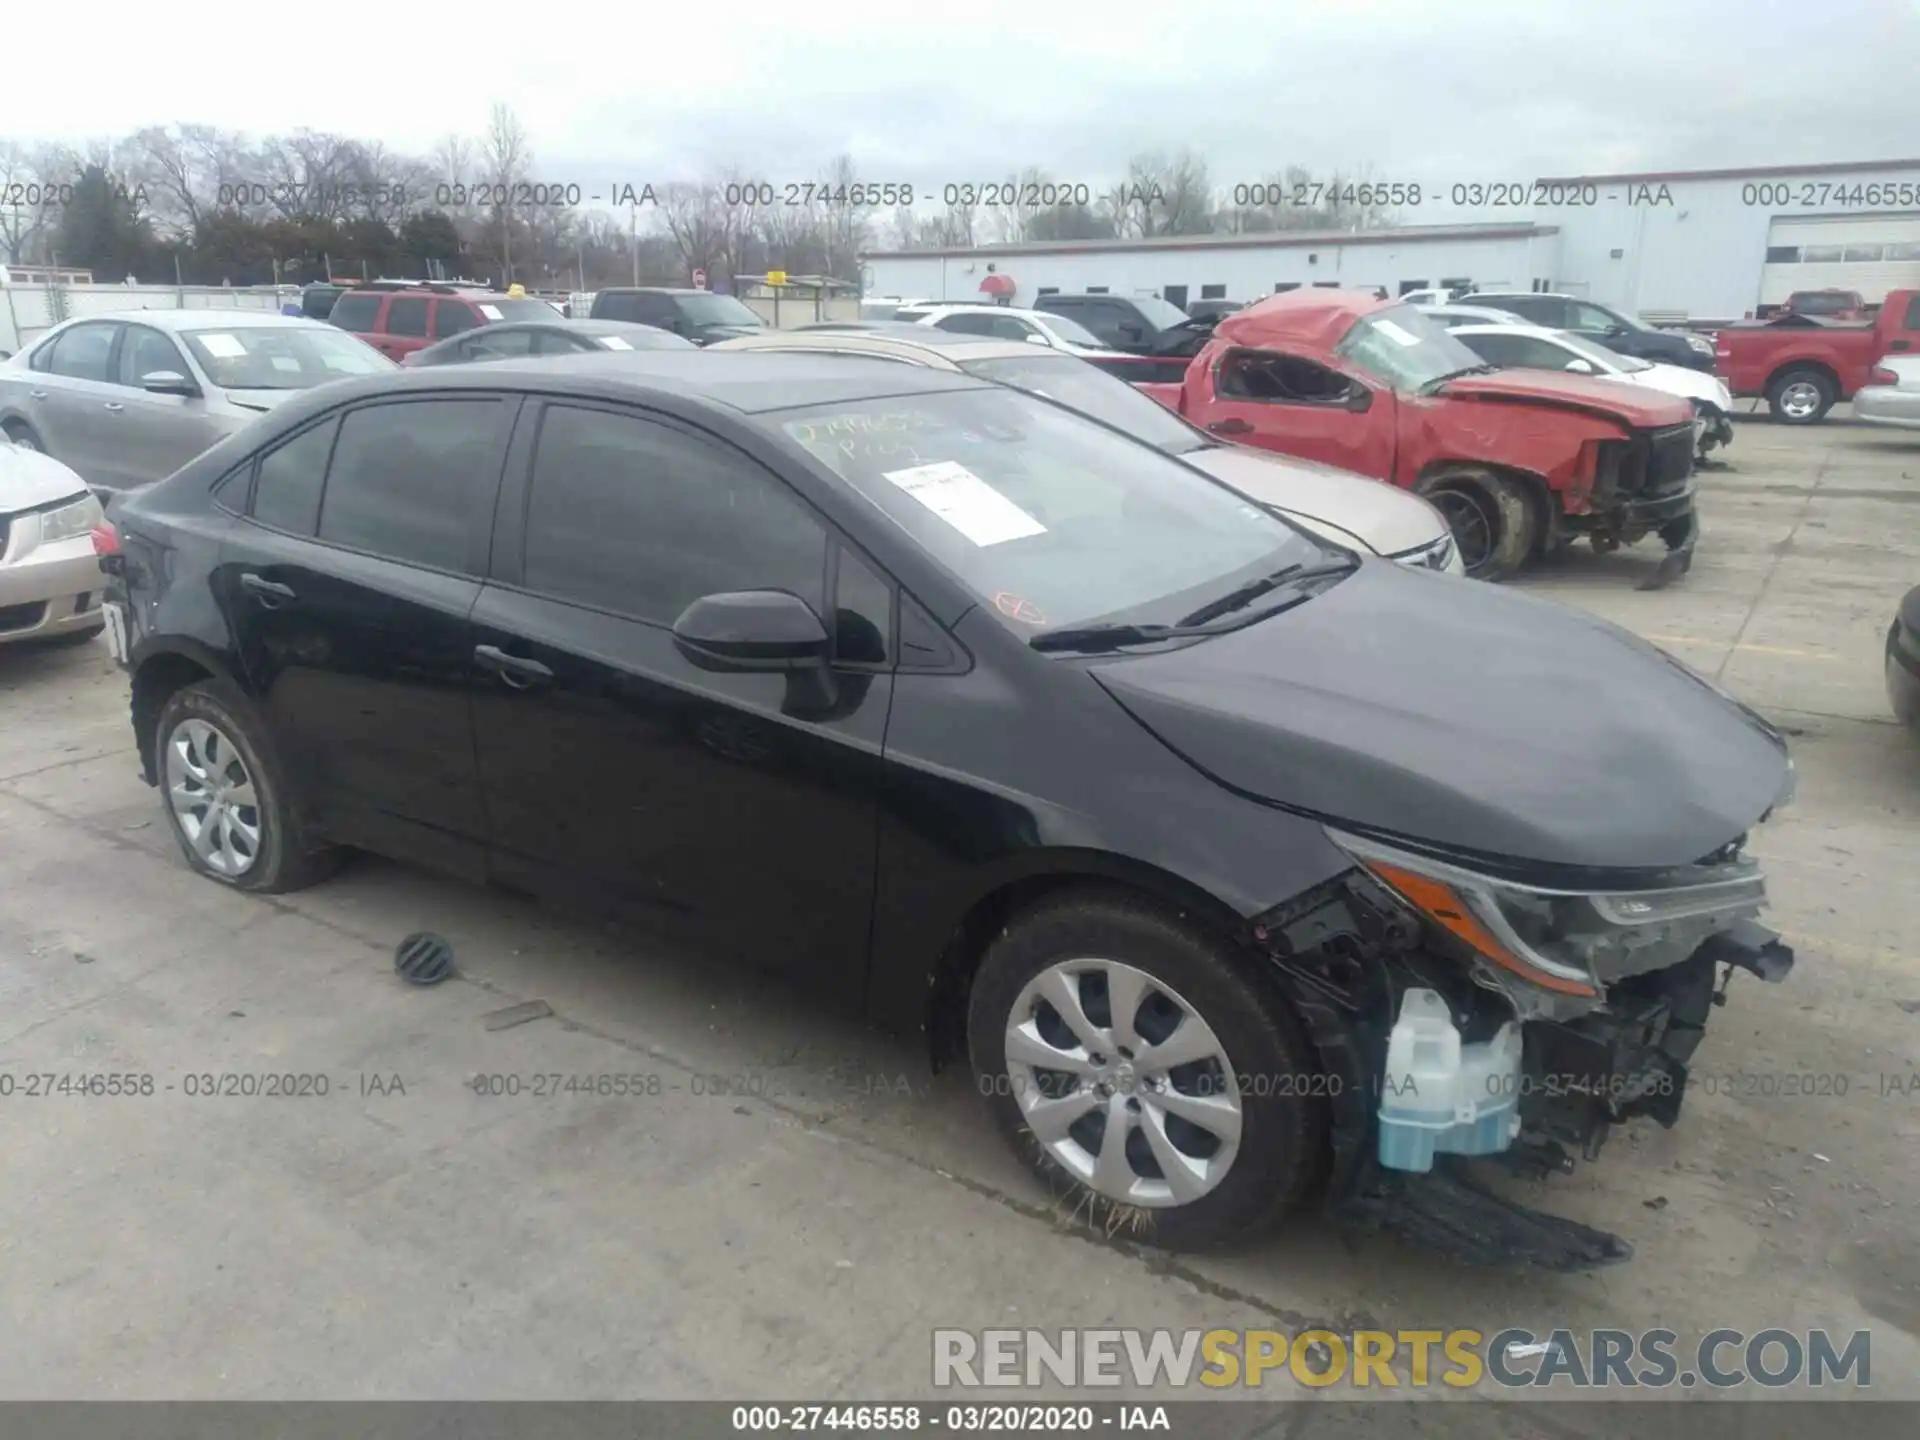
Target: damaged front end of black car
(1471, 1014)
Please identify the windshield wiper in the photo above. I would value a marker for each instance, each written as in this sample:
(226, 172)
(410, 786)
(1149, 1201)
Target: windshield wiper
(1439, 380)
(1111, 636)
(1242, 596)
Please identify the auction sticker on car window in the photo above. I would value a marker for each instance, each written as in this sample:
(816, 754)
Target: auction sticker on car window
(966, 502)
(492, 312)
(227, 347)
(1395, 333)
(614, 342)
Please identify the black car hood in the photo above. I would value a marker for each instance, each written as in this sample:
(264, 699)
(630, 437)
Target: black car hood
(1466, 716)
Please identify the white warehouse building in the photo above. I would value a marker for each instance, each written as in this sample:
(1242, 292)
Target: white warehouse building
(1694, 245)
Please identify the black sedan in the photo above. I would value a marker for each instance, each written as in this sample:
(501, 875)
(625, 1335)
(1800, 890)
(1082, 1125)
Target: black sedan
(519, 339)
(1237, 864)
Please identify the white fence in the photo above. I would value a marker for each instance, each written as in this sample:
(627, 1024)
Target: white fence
(29, 311)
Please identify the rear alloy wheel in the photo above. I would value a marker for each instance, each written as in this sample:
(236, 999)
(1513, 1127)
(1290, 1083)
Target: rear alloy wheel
(1143, 1074)
(1492, 522)
(225, 799)
(1800, 397)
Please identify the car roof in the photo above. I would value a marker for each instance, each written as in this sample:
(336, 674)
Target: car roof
(971, 307)
(1491, 314)
(179, 321)
(1317, 317)
(1538, 332)
(578, 327)
(921, 344)
(653, 290)
(747, 383)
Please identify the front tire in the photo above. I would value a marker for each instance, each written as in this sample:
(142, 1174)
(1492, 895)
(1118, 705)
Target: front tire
(1801, 397)
(22, 435)
(1154, 1081)
(1494, 523)
(226, 795)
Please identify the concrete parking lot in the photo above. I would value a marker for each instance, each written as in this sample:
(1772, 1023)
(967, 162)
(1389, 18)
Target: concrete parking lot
(800, 1203)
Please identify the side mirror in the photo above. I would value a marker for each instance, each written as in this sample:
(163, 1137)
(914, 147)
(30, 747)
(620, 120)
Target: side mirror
(1614, 332)
(1359, 399)
(767, 631)
(168, 382)
(1579, 367)
(1038, 340)
(1130, 332)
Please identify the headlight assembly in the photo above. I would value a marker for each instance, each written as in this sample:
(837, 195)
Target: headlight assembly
(1699, 344)
(70, 521)
(1548, 948)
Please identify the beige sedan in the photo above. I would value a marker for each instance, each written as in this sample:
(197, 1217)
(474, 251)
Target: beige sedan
(50, 578)
(1348, 509)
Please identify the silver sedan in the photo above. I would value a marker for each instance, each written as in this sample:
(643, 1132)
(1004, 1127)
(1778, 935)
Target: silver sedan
(50, 579)
(1894, 396)
(128, 399)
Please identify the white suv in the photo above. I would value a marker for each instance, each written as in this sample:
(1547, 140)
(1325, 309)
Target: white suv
(1002, 322)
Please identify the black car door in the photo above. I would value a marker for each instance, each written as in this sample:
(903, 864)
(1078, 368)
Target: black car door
(613, 769)
(348, 589)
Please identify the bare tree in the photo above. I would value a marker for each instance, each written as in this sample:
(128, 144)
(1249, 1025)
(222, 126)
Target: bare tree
(506, 155)
(1161, 196)
(27, 214)
(1018, 204)
(691, 213)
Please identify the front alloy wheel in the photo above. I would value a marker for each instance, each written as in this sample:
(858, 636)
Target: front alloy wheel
(1123, 1083)
(1149, 1070)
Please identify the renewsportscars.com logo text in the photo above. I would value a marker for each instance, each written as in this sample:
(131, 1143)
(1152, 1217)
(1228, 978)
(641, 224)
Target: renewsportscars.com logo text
(1391, 1359)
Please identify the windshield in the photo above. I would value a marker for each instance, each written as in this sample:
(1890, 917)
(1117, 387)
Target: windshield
(1049, 519)
(1106, 398)
(717, 310)
(1598, 356)
(1163, 314)
(1072, 332)
(1405, 348)
(281, 357)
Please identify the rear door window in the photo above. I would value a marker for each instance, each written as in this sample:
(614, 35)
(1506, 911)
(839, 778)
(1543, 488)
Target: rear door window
(407, 315)
(355, 312)
(82, 353)
(409, 477)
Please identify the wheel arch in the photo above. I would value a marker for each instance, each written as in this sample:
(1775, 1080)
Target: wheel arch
(1820, 367)
(1038, 876)
(159, 674)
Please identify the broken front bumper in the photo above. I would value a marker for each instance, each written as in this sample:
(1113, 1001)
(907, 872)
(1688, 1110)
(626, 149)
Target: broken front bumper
(1578, 1080)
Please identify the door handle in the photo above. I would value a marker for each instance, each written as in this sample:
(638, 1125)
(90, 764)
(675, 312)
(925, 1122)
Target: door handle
(519, 673)
(270, 592)
(114, 405)
(1230, 427)
(37, 394)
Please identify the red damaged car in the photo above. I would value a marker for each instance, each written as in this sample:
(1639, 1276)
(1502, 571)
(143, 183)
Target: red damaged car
(1519, 461)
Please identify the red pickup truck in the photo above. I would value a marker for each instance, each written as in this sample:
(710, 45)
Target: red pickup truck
(1518, 460)
(1804, 365)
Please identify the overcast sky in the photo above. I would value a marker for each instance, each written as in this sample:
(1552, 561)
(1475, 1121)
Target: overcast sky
(1435, 92)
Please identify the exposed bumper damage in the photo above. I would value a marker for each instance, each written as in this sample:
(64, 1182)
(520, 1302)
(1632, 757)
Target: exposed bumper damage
(1353, 956)
(1643, 486)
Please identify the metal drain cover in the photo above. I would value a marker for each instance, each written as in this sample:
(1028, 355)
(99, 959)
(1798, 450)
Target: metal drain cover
(423, 958)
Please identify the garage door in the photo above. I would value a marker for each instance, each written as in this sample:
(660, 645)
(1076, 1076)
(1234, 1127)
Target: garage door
(1869, 253)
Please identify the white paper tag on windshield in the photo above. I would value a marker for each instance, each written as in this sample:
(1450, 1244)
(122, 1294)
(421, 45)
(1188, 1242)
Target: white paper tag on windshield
(613, 342)
(1394, 332)
(492, 312)
(227, 347)
(966, 502)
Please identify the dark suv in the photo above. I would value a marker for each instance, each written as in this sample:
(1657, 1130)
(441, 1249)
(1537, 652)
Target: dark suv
(1620, 332)
(1143, 324)
(399, 320)
(700, 315)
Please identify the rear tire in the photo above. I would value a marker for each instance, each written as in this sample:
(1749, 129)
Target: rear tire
(1494, 521)
(1801, 397)
(1207, 1151)
(226, 794)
